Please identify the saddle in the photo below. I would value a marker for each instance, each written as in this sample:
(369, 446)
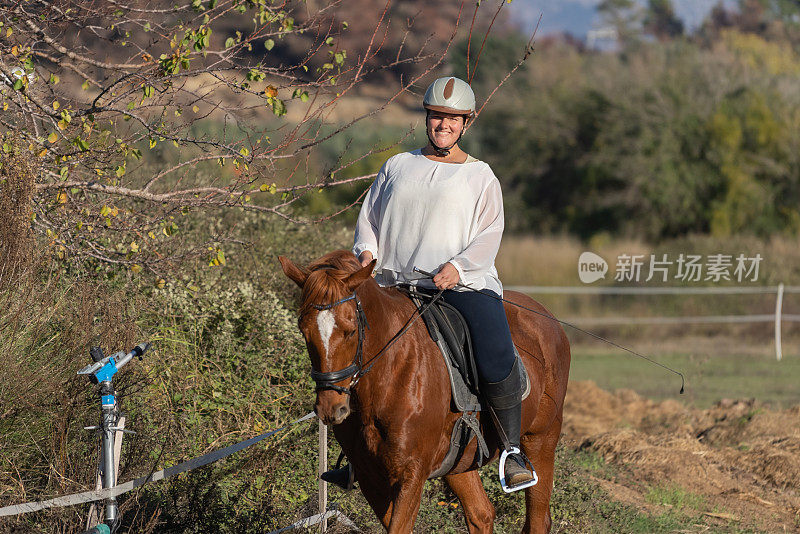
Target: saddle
(448, 329)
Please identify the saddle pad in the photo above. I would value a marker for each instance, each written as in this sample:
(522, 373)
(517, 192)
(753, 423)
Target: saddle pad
(464, 397)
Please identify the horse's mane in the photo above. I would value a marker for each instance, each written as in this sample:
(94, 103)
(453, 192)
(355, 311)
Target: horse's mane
(325, 282)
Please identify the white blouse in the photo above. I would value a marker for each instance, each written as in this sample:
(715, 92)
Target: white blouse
(423, 213)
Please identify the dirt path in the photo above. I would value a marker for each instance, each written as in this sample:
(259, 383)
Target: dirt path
(737, 463)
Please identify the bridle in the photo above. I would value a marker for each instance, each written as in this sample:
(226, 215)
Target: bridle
(357, 369)
(328, 380)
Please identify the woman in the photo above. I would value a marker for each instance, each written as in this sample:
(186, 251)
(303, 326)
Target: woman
(441, 210)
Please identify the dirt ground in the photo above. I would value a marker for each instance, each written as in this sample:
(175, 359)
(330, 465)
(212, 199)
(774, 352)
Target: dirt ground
(738, 460)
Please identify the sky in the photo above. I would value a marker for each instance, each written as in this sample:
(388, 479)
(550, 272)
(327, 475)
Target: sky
(579, 16)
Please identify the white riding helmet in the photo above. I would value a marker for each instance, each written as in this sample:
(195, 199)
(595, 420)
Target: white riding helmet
(450, 95)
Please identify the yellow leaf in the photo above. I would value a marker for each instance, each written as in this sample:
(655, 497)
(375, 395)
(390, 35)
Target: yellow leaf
(152, 143)
(53, 137)
(134, 247)
(62, 197)
(161, 283)
(195, 109)
(5, 106)
(56, 104)
(114, 211)
(62, 124)
(43, 153)
(270, 91)
(104, 211)
(151, 235)
(14, 50)
(136, 268)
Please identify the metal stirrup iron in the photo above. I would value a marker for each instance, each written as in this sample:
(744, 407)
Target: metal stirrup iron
(508, 450)
(502, 471)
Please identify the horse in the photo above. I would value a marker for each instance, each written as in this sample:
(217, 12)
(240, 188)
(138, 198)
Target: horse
(394, 420)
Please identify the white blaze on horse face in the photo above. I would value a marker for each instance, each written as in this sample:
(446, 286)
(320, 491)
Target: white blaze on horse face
(326, 321)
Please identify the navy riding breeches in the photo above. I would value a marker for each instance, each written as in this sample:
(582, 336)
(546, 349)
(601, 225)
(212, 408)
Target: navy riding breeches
(488, 326)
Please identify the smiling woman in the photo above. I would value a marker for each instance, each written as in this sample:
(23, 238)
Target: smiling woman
(440, 210)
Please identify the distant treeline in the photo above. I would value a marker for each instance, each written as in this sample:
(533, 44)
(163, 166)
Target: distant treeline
(657, 141)
(668, 134)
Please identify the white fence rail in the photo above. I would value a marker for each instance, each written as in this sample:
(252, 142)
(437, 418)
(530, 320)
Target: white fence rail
(778, 317)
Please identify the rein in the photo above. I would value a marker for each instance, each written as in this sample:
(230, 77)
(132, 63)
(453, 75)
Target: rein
(596, 336)
(356, 370)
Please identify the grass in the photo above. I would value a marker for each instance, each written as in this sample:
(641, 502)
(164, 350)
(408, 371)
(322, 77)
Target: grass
(675, 497)
(708, 378)
(578, 504)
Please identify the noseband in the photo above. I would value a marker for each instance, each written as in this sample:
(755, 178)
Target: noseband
(328, 380)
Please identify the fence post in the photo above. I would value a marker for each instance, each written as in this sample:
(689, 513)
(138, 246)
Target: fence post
(778, 312)
(323, 466)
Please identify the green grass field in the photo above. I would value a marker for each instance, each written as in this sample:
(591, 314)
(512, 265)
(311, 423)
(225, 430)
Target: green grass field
(709, 377)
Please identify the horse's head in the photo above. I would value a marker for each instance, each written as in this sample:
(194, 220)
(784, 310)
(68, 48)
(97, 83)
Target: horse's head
(330, 323)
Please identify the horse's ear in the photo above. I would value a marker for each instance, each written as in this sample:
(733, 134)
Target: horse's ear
(295, 273)
(360, 276)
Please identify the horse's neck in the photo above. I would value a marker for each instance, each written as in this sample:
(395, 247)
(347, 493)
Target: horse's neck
(387, 311)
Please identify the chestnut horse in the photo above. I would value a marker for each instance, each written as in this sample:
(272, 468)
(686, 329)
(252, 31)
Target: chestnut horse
(395, 423)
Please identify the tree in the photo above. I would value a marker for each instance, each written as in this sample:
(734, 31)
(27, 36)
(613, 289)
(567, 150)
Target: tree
(624, 16)
(660, 20)
(139, 113)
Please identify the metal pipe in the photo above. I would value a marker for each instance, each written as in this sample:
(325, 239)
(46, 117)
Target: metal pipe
(109, 402)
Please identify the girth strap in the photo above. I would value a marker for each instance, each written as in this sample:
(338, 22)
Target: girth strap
(465, 428)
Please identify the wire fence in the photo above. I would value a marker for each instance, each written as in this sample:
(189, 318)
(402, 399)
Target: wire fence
(777, 317)
(320, 518)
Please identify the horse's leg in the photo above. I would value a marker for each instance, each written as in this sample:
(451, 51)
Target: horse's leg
(406, 504)
(379, 500)
(478, 510)
(541, 450)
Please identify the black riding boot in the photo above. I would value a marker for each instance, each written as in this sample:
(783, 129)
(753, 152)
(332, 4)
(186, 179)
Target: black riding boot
(340, 476)
(505, 397)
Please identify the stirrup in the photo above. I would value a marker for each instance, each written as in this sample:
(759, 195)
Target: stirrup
(502, 471)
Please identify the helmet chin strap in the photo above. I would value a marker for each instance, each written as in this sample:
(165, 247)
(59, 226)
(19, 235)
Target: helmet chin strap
(442, 152)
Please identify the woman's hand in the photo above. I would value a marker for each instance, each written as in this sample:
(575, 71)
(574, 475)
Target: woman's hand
(447, 277)
(365, 258)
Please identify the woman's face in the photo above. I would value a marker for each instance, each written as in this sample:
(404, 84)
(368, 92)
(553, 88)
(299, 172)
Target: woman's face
(444, 128)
